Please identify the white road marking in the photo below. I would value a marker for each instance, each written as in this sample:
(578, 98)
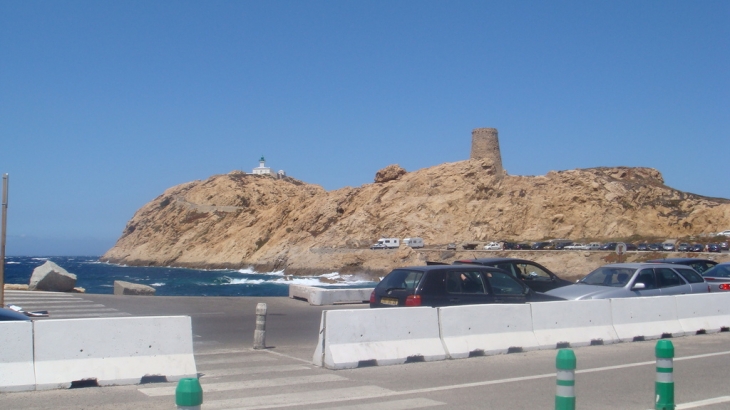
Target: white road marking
(253, 370)
(404, 404)
(702, 403)
(234, 359)
(298, 399)
(249, 384)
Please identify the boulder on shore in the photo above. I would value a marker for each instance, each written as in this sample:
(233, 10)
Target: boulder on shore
(53, 278)
(128, 288)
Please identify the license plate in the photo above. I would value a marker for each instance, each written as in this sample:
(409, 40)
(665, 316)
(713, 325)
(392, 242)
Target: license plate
(389, 301)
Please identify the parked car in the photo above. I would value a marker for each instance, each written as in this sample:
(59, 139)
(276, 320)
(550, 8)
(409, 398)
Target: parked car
(698, 247)
(700, 265)
(656, 247)
(532, 274)
(668, 247)
(724, 233)
(610, 246)
(718, 277)
(713, 247)
(447, 285)
(542, 245)
(684, 247)
(451, 247)
(563, 245)
(522, 246)
(631, 247)
(724, 246)
(493, 246)
(642, 247)
(622, 280)
(574, 246)
(8, 315)
(593, 246)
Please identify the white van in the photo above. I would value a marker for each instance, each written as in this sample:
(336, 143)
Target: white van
(386, 243)
(413, 242)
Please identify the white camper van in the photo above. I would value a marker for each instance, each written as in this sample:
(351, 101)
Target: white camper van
(413, 242)
(386, 243)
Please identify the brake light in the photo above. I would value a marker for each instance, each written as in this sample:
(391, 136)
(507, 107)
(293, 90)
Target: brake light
(372, 297)
(413, 300)
(724, 286)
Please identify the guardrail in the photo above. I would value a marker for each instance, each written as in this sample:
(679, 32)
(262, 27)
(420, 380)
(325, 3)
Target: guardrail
(385, 336)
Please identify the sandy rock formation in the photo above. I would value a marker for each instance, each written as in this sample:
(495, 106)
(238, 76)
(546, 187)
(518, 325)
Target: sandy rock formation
(128, 288)
(238, 220)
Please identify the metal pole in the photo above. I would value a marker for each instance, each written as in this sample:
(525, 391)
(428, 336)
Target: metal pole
(259, 336)
(2, 240)
(664, 385)
(565, 365)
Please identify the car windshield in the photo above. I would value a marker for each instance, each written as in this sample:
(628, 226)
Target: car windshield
(401, 279)
(608, 276)
(719, 271)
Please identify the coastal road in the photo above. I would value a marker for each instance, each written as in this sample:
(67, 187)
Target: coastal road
(282, 377)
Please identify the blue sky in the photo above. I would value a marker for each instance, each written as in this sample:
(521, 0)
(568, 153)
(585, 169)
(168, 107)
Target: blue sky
(104, 105)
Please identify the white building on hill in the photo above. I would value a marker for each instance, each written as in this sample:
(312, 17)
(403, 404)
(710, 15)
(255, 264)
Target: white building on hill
(262, 169)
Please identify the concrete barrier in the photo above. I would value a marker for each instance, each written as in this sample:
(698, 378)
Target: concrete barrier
(486, 329)
(16, 356)
(112, 351)
(645, 318)
(573, 323)
(353, 338)
(319, 296)
(704, 312)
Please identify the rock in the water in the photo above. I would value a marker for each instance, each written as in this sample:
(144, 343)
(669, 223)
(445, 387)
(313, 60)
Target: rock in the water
(128, 288)
(51, 277)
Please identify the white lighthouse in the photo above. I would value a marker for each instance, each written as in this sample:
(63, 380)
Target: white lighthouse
(262, 169)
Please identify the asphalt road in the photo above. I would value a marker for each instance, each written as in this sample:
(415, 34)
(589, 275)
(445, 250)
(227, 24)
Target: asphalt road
(619, 376)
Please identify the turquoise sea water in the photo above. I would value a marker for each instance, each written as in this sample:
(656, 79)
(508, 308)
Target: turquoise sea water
(99, 277)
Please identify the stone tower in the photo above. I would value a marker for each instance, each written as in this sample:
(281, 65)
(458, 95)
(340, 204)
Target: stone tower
(485, 144)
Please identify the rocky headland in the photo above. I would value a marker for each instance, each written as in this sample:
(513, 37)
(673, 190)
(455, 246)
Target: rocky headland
(239, 220)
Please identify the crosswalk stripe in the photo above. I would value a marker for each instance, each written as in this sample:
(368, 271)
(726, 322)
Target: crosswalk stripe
(86, 315)
(405, 404)
(223, 351)
(253, 370)
(95, 308)
(55, 302)
(235, 359)
(249, 384)
(298, 399)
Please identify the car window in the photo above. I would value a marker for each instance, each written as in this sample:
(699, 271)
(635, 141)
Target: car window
(646, 276)
(719, 271)
(401, 279)
(528, 270)
(690, 275)
(507, 267)
(701, 266)
(667, 278)
(465, 282)
(503, 284)
(609, 276)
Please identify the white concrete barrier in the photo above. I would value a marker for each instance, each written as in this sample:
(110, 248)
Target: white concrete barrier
(112, 351)
(352, 338)
(486, 329)
(645, 318)
(573, 323)
(16, 356)
(706, 312)
(320, 296)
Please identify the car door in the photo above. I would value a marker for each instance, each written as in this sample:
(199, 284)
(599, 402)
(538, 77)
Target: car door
(671, 283)
(648, 278)
(696, 281)
(466, 287)
(505, 288)
(535, 276)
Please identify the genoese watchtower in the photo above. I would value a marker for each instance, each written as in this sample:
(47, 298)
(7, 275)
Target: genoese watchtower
(485, 144)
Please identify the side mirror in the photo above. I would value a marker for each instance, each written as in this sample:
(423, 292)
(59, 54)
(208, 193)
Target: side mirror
(638, 286)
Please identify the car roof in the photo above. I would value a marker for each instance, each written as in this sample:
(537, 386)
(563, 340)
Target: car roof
(680, 260)
(447, 267)
(639, 265)
(492, 260)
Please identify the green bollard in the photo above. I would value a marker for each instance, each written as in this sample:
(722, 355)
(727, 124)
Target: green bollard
(565, 365)
(188, 394)
(664, 386)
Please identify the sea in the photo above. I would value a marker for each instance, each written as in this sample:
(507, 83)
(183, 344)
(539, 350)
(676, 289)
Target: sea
(98, 277)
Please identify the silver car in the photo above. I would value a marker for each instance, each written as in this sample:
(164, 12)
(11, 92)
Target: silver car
(623, 280)
(718, 277)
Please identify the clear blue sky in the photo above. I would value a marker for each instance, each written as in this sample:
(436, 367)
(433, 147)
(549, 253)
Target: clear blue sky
(105, 104)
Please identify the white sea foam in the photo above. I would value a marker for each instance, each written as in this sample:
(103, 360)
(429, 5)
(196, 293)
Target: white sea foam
(158, 284)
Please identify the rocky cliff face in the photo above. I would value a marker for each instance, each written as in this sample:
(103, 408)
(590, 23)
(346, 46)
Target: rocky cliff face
(236, 219)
